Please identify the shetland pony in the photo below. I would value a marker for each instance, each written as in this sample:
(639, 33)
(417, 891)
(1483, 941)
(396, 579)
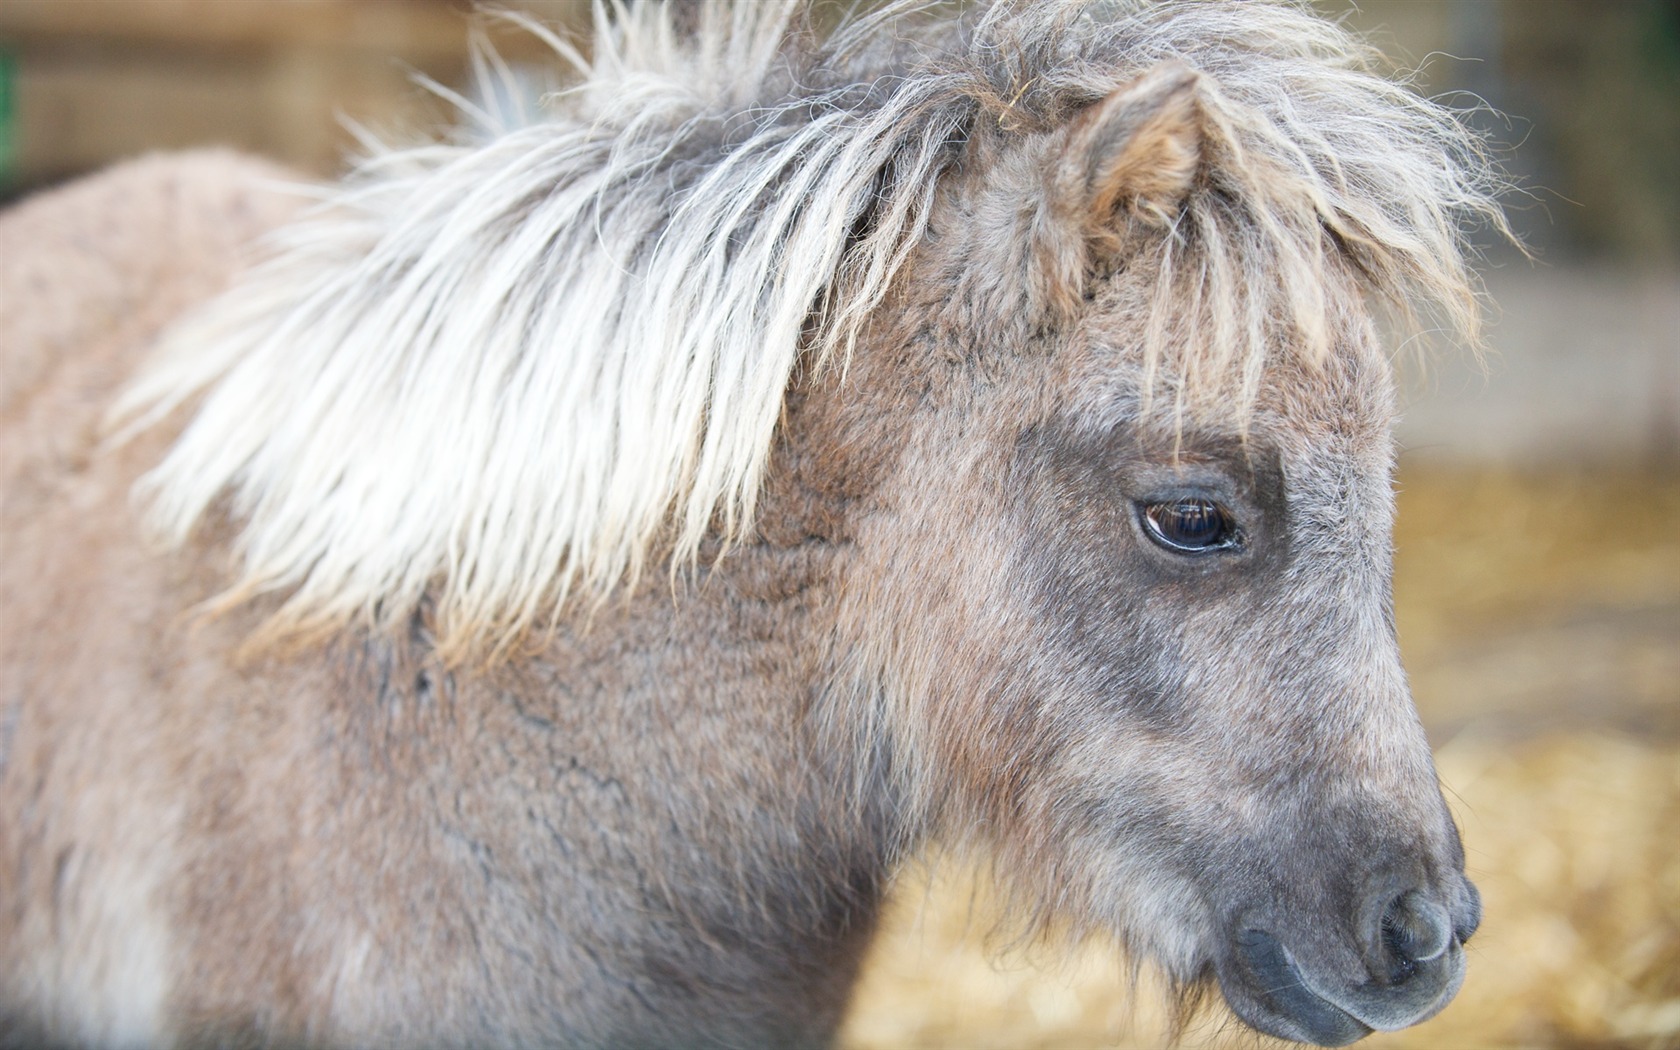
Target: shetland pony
(536, 590)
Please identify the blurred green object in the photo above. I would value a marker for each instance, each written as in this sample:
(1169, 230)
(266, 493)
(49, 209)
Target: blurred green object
(8, 114)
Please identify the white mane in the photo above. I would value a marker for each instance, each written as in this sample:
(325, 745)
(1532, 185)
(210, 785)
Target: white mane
(508, 371)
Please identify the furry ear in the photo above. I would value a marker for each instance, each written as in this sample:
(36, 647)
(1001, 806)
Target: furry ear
(1130, 159)
(1139, 150)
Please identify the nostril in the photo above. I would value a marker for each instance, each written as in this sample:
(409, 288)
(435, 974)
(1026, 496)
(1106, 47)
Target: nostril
(1415, 929)
(1467, 929)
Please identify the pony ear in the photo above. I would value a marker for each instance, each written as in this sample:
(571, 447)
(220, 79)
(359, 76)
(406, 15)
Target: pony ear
(1129, 160)
(1136, 152)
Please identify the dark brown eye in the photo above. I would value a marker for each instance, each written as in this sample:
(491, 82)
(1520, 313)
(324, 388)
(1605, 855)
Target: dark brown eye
(1189, 526)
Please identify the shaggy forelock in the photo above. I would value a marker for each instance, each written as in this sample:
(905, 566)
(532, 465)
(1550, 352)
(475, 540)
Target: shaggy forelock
(509, 371)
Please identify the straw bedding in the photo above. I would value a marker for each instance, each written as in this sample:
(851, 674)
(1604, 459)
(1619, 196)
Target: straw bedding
(1540, 616)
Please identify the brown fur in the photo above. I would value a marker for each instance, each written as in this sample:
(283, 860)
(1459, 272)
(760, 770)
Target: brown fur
(136, 790)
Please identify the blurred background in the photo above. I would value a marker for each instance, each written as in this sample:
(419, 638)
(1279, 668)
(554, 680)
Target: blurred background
(1538, 550)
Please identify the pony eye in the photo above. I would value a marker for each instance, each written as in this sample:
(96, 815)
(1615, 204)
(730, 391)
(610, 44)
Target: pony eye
(1190, 526)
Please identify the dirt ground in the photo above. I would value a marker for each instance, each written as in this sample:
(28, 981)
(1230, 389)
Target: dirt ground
(1539, 614)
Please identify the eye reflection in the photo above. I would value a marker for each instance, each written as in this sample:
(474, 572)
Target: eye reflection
(1190, 526)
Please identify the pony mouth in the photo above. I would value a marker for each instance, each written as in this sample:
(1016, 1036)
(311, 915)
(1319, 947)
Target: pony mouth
(1275, 996)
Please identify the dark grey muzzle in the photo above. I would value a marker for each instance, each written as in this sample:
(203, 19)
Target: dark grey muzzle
(1413, 964)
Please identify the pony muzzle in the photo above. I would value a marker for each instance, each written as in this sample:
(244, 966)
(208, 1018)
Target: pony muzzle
(1413, 966)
